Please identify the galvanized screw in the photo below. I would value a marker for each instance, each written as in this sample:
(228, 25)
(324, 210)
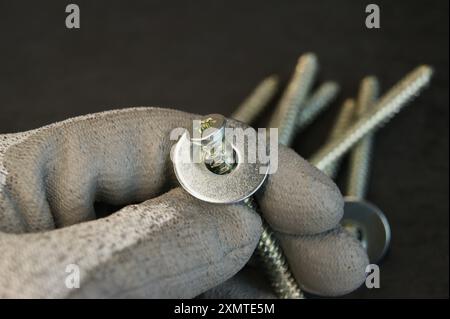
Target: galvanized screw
(361, 154)
(214, 154)
(318, 102)
(343, 121)
(383, 110)
(269, 250)
(285, 116)
(362, 219)
(257, 101)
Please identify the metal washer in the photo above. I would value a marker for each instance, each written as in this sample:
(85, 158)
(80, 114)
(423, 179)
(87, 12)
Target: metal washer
(200, 182)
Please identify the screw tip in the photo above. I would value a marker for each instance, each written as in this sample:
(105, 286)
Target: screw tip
(273, 80)
(426, 69)
(309, 59)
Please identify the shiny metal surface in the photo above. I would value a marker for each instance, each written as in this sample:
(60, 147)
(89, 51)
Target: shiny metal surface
(198, 179)
(385, 108)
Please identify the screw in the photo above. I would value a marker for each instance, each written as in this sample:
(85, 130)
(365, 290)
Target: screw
(214, 155)
(383, 110)
(318, 102)
(362, 219)
(268, 249)
(257, 101)
(343, 120)
(297, 115)
(362, 152)
(285, 118)
(291, 102)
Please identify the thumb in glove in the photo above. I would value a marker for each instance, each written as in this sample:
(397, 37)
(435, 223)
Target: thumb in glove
(170, 246)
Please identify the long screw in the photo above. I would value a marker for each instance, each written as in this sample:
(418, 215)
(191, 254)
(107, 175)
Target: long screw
(359, 168)
(369, 219)
(285, 118)
(257, 101)
(368, 224)
(268, 249)
(383, 110)
(318, 102)
(342, 122)
(291, 102)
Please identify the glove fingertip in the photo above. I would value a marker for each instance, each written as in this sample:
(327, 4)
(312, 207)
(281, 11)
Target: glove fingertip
(328, 264)
(300, 199)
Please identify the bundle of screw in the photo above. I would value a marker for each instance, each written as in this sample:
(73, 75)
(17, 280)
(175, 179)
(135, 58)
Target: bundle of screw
(353, 131)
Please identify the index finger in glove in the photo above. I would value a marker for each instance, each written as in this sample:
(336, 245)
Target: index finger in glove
(172, 246)
(298, 198)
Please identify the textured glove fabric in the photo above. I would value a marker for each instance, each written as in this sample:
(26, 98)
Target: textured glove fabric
(165, 243)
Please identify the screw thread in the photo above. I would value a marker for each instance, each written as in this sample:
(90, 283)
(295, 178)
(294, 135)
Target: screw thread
(286, 119)
(318, 102)
(269, 251)
(361, 154)
(218, 156)
(257, 101)
(390, 104)
(343, 120)
(285, 116)
(275, 263)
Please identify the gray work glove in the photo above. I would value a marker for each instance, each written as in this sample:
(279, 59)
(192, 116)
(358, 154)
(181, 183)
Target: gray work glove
(165, 243)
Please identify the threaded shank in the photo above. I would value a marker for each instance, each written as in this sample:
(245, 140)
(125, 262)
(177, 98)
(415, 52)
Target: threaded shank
(276, 266)
(285, 116)
(258, 100)
(275, 263)
(318, 102)
(390, 104)
(343, 121)
(361, 154)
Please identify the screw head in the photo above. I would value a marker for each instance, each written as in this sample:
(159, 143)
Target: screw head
(210, 129)
(370, 225)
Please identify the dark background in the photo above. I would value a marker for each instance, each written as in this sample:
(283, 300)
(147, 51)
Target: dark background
(206, 56)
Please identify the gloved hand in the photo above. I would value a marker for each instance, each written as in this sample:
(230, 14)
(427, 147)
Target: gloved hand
(165, 243)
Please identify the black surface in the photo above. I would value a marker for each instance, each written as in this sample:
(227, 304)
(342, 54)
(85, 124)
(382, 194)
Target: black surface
(205, 56)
